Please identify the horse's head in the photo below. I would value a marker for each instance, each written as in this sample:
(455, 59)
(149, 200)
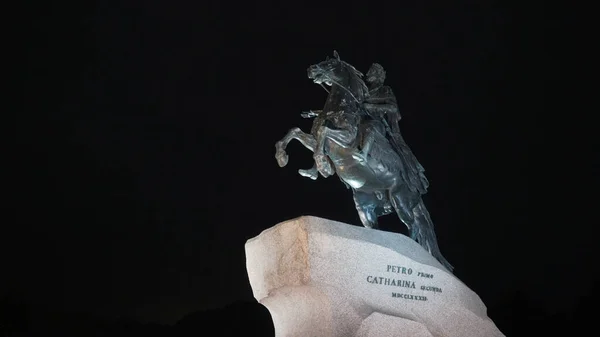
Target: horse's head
(329, 71)
(334, 71)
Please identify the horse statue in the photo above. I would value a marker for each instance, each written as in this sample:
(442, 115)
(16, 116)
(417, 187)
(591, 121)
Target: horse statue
(371, 159)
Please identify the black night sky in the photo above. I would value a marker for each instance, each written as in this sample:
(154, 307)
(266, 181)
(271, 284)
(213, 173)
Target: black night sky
(145, 149)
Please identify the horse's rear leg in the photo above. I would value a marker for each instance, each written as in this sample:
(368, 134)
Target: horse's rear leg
(403, 200)
(367, 205)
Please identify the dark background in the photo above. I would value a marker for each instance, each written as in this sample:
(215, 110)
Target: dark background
(145, 157)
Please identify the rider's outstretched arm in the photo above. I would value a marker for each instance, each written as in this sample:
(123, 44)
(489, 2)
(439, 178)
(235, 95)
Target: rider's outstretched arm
(310, 113)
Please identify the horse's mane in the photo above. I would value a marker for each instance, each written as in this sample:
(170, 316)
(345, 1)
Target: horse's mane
(357, 76)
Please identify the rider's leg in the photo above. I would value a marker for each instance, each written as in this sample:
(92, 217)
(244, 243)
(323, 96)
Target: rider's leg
(369, 132)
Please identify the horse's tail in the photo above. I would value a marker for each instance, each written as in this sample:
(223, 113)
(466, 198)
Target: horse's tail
(422, 231)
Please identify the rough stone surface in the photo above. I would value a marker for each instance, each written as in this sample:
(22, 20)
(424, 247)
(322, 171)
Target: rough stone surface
(322, 278)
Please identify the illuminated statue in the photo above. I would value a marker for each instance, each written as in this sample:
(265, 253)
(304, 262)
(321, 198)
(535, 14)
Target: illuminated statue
(357, 136)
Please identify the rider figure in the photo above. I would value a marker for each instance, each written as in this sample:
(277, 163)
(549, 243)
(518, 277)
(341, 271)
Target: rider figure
(381, 102)
(381, 107)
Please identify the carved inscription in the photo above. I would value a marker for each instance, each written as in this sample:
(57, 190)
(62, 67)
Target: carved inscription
(405, 277)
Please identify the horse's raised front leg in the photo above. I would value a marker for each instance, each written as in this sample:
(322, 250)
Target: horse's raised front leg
(306, 139)
(311, 173)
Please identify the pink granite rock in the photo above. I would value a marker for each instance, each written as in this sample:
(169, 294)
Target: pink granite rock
(322, 278)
